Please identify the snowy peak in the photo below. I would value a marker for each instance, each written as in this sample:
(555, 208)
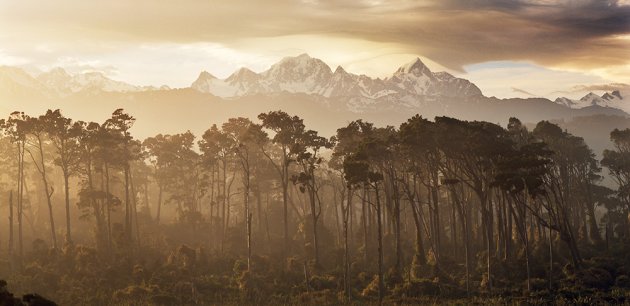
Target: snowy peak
(205, 75)
(243, 75)
(17, 76)
(415, 67)
(591, 99)
(300, 74)
(58, 82)
(619, 99)
(63, 83)
(18, 82)
(308, 75)
(613, 95)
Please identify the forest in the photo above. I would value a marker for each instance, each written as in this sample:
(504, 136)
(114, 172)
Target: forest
(265, 211)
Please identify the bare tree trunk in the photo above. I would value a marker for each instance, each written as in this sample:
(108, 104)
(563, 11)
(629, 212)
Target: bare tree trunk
(224, 203)
(66, 188)
(346, 250)
(146, 197)
(134, 202)
(285, 203)
(127, 206)
(364, 220)
(11, 228)
(20, 201)
(159, 203)
(109, 208)
(381, 284)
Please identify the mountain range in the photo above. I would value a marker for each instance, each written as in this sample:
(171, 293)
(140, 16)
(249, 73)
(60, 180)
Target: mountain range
(410, 87)
(301, 85)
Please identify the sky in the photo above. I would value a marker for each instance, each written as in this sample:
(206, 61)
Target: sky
(509, 48)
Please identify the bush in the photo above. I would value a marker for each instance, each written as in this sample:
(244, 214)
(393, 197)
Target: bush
(419, 288)
(595, 278)
(372, 288)
(538, 284)
(323, 282)
(622, 281)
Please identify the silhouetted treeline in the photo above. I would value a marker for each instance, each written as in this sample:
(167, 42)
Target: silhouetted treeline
(267, 211)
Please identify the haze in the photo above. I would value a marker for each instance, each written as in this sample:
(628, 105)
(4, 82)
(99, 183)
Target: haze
(508, 48)
(314, 152)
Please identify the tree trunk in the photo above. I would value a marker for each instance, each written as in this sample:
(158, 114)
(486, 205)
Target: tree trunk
(346, 250)
(314, 213)
(159, 203)
(381, 284)
(42, 171)
(109, 208)
(11, 228)
(134, 207)
(127, 206)
(66, 188)
(285, 203)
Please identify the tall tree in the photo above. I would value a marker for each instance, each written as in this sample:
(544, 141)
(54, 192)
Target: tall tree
(287, 130)
(307, 150)
(64, 136)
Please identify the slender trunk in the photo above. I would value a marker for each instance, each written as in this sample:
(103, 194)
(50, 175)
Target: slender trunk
(134, 202)
(336, 211)
(464, 217)
(594, 233)
(346, 251)
(285, 201)
(159, 203)
(381, 285)
(248, 221)
(11, 227)
(67, 194)
(248, 214)
(364, 219)
(146, 197)
(550, 260)
(47, 189)
(224, 203)
(419, 248)
(315, 217)
(20, 201)
(259, 206)
(109, 207)
(127, 206)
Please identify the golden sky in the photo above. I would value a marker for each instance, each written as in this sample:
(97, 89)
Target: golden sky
(508, 48)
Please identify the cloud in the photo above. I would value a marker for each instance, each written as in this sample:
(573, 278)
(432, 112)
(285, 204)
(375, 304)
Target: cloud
(523, 92)
(564, 33)
(601, 87)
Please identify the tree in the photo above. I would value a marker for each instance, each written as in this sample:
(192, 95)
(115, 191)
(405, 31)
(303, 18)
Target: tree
(34, 130)
(359, 169)
(175, 164)
(119, 124)
(287, 130)
(618, 163)
(64, 136)
(92, 200)
(573, 165)
(217, 146)
(307, 149)
(246, 138)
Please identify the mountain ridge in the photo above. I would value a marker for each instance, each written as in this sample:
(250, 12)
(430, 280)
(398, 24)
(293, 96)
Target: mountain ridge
(305, 74)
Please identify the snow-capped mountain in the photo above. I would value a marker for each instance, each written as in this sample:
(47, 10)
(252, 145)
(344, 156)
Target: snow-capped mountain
(63, 83)
(58, 82)
(619, 99)
(304, 74)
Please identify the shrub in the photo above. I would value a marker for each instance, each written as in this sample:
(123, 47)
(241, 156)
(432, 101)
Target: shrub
(622, 281)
